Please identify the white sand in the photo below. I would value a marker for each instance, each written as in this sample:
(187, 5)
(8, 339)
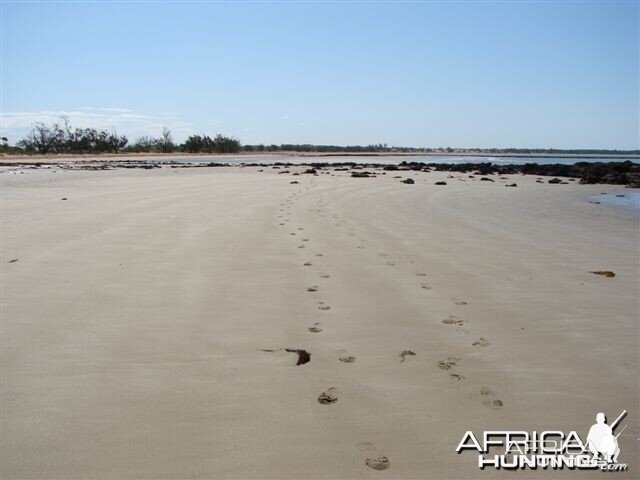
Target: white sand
(133, 320)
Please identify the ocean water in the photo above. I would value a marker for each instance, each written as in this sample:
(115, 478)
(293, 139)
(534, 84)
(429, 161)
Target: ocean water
(629, 199)
(392, 159)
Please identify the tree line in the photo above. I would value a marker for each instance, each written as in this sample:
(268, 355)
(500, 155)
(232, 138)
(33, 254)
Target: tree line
(62, 138)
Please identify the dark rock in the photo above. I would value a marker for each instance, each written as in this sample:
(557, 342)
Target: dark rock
(441, 183)
(555, 180)
(485, 179)
(512, 185)
(408, 181)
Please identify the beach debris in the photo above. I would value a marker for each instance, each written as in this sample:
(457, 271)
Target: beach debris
(441, 183)
(378, 463)
(328, 397)
(408, 181)
(404, 353)
(347, 359)
(303, 355)
(511, 185)
(604, 273)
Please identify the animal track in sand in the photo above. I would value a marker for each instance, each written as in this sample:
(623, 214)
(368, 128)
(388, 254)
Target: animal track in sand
(406, 353)
(328, 397)
(315, 328)
(481, 342)
(425, 286)
(322, 306)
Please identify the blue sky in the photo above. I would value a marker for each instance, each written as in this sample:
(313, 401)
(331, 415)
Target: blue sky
(461, 74)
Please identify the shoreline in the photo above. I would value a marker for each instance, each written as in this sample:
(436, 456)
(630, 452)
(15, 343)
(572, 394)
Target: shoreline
(615, 173)
(108, 156)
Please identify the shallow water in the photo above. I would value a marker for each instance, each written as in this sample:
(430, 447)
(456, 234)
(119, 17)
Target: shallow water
(629, 200)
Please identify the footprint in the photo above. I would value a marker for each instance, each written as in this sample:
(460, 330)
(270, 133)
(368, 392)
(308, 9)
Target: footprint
(347, 359)
(426, 286)
(378, 463)
(307, 264)
(405, 353)
(490, 402)
(328, 397)
(322, 306)
(485, 391)
(319, 255)
(421, 274)
(305, 239)
(324, 275)
(481, 342)
(452, 320)
(459, 302)
(449, 363)
(300, 246)
(456, 376)
(315, 328)
(391, 264)
(312, 289)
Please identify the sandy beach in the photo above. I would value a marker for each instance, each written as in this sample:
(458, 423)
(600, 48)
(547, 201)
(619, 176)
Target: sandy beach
(146, 314)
